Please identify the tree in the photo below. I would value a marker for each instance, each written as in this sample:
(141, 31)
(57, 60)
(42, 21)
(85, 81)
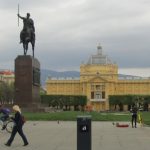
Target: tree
(6, 93)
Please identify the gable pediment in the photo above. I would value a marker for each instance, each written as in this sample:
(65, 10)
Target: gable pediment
(97, 79)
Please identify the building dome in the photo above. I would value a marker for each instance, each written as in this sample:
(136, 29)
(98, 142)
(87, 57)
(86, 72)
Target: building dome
(99, 58)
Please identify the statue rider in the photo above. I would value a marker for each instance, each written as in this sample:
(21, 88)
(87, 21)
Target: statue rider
(28, 27)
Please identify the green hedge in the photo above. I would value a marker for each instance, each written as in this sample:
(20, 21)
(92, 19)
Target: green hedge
(128, 99)
(64, 100)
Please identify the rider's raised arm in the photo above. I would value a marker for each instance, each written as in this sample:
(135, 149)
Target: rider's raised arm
(20, 16)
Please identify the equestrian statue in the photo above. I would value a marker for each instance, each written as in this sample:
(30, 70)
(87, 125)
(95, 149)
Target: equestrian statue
(28, 33)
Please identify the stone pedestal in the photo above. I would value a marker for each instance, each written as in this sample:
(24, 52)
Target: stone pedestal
(27, 81)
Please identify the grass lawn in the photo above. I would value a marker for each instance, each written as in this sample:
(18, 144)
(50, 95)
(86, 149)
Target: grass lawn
(96, 116)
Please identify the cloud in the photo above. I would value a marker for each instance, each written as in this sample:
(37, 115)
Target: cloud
(68, 31)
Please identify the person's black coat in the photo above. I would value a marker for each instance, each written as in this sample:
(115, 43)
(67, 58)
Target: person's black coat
(18, 120)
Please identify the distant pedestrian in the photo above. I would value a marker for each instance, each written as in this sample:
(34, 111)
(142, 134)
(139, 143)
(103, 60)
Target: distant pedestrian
(134, 116)
(17, 127)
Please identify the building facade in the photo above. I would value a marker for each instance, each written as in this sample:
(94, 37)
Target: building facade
(7, 76)
(98, 79)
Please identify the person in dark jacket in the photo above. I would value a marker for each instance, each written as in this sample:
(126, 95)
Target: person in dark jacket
(17, 127)
(134, 116)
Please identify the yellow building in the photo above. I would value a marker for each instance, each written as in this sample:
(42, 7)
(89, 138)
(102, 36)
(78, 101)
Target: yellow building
(98, 79)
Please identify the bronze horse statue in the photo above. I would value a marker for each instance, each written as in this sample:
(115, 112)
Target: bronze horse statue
(28, 37)
(28, 33)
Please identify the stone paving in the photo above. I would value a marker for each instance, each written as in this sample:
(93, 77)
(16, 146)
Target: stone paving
(49, 135)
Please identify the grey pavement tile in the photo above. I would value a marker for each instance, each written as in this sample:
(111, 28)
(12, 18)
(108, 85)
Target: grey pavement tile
(48, 135)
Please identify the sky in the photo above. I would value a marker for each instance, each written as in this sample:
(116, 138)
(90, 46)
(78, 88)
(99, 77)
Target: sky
(68, 32)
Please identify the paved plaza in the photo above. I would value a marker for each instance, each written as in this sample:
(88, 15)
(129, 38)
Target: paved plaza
(49, 135)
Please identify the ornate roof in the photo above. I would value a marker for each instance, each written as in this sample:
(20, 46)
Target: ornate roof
(99, 58)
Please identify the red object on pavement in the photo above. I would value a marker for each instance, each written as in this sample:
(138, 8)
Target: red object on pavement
(122, 125)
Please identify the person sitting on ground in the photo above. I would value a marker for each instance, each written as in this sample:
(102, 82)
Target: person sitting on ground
(5, 115)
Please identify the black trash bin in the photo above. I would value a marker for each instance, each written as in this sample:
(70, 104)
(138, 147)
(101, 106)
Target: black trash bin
(84, 133)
